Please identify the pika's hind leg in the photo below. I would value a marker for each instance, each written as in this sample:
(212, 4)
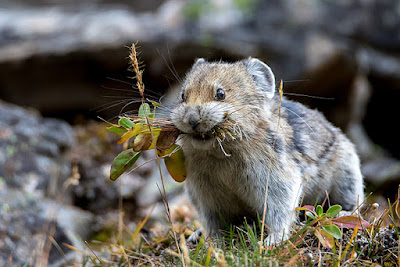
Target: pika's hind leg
(348, 188)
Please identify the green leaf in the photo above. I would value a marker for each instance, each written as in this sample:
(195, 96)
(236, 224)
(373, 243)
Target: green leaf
(333, 230)
(125, 122)
(319, 210)
(117, 129)
(144, 110)
(334, 210)
(309, 214)
(123, 162)
(154, 103)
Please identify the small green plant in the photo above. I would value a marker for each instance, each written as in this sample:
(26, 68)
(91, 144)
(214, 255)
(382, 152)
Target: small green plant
(145, 136)
(145, 132)
(326, 224)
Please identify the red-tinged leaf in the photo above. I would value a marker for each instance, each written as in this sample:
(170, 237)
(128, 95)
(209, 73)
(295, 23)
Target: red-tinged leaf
(307, 208)
(123, 162)
(350, 221)
(166, 139)
(142, 142)
(325, 238)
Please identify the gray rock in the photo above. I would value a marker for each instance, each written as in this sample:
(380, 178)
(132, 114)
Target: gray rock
(24, 233)
(33, 150)
(27, 221)
(33, 167)
(76, 223)
(382, 171)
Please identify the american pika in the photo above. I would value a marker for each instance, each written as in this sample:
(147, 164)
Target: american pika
(228, 114)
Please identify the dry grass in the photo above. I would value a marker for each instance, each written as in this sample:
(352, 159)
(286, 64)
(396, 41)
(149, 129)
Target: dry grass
(243, 246)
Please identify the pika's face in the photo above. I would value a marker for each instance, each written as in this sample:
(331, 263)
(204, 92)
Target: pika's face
(218, 99)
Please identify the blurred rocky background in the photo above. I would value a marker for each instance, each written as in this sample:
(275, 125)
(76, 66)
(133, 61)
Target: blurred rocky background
(63, 64)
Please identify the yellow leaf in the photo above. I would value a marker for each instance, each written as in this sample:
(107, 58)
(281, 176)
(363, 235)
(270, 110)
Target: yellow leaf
(175, 164)
(138, 128)
(162, 153)
(156, 133)
(325, 238)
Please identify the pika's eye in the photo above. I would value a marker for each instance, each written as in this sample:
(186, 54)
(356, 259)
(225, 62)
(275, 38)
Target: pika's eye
(183, 96)
(220, 95)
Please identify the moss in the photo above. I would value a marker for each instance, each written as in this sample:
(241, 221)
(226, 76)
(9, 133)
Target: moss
(194, 9)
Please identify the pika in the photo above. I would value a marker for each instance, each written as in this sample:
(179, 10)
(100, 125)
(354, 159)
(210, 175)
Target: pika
(228, 115)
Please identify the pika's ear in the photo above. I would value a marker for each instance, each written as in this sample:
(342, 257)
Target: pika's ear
(262, 75)
(198, 62)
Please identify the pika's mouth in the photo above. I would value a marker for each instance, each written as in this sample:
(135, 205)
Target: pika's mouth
(202, 136)
(224, 131)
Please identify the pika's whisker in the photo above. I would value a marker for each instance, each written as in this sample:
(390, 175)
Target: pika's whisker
(310, 96)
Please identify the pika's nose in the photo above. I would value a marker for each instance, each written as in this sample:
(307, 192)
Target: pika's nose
(192, 118)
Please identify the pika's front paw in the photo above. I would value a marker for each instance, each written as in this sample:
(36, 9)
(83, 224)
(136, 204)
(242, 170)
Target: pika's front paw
(194, 238)
(270, 240)
(274, 238)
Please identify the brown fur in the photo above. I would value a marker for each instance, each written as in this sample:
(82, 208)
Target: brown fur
(229, 169)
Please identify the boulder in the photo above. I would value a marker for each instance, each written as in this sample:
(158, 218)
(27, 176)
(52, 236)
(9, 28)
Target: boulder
(34, 202)
(33, 150)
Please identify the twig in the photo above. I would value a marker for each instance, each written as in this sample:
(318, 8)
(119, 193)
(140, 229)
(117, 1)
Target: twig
(101, 262)
(140, 85)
